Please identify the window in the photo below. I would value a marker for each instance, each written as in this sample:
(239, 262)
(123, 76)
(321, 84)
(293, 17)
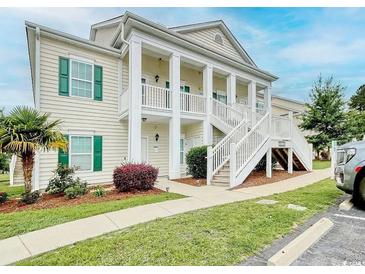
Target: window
(182, 151)
(81, 79)
(260, 104)
(81, 152)
(218, 38)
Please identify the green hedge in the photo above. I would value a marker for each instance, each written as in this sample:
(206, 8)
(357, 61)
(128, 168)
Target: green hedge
(196, 159)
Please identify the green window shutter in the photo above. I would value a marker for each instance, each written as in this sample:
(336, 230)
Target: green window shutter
(98, 153)
(63, 155)
(98, 83)
(63, 76)
(187, 89)
(167, 84)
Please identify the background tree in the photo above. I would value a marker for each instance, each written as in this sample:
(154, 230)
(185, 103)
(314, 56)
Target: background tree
(4, 162)
(23, 132)
(355, 117)
(357, 101)
(325, 116)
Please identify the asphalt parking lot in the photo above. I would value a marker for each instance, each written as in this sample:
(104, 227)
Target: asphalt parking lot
(344, 244)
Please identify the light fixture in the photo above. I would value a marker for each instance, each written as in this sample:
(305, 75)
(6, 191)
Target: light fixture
(144, 119)
(157, 137)
(157, 78)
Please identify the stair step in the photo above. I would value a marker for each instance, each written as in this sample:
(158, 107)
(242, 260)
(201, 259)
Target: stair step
(223, 172)
(218, 176)
(219, 183)
(225, 181)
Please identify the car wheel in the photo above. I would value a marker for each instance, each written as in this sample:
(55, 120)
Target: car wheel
(359, 194)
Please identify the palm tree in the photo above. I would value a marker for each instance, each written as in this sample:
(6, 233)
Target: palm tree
(26, 130)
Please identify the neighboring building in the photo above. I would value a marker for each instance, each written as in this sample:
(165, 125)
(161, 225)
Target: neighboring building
(138, 91)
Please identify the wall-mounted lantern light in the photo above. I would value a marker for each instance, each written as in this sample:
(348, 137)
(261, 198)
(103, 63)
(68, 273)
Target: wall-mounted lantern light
(157, 137)
(157, 78)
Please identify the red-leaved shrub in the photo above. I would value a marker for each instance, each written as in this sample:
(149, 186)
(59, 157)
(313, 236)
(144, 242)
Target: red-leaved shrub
(130, 176)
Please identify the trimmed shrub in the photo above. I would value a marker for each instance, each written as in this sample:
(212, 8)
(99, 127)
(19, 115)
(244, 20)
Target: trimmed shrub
(77, 189)
(3, 197)
(62, 179)
(262, 164)
(99, 191)
(30, 197)
(196, 160)
(132, 176)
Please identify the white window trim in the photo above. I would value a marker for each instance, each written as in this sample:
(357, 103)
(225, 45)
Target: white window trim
(92, 153)
(84, 61)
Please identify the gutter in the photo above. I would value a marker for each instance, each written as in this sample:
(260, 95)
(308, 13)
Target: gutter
(72, 39)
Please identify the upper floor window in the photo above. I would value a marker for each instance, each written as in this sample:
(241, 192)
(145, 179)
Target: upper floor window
(218, 38)
(81, 79)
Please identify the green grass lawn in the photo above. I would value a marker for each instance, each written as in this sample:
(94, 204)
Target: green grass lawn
(321, 164)
(13, 191)
(222, 235)
(15, 223)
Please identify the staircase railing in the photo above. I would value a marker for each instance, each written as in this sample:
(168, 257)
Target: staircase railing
(226, 113)
(219, 155)
(247, 147)
(301, 146)
(280, 127)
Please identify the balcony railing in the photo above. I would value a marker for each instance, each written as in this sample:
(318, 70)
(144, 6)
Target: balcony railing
(192, 103)
(156, 97)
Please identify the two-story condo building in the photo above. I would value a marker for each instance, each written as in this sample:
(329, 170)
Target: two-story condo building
(139, 91)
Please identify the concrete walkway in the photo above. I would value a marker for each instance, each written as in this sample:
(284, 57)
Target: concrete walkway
(33, 243)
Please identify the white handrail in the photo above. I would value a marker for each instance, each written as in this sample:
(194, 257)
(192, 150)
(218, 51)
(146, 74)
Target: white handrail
(156, 97)
(301, 146)
(192, 103)
(227, 114)
(251, 142)
(221, 151)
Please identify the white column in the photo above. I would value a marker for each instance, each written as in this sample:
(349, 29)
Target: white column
(232, 165)
(231, 89)
(208, 93)
(135, 109)
(209, 164)
(269, 163)
(290, 160)
(174, 123)
(252, 100)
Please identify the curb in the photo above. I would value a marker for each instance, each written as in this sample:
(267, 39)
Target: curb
(346, 205)
(300, 244)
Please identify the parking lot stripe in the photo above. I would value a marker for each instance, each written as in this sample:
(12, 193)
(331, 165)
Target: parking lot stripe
(350, 217)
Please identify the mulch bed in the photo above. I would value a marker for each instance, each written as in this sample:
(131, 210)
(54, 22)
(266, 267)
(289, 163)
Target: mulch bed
(58, 200)
(191, 181)
(257, 178)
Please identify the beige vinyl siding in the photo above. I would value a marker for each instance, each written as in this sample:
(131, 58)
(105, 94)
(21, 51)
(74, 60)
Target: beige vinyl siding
(217, 134)
(104, 36)
(192, 78)
(206, 38)
(158, 151)
(82, 114)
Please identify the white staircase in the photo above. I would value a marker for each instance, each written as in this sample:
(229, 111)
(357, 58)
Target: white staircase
(225, 117)
(237, 154)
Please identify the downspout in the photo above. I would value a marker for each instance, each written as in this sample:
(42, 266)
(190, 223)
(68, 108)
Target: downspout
(37, 80)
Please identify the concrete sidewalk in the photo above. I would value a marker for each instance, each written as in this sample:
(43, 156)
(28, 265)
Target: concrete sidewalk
(33, 243)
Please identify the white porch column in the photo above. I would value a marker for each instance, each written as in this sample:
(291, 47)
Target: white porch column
(290, 160)
(208, 93)
(231, 89)
(174, 123)
(135, 109)
(252, 100)
(269, 163)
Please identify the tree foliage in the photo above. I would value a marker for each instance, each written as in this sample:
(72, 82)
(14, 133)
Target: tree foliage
(26, 130)
(325, 116)
(357, 101)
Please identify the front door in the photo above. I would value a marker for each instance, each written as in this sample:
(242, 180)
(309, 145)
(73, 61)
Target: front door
(144, 149)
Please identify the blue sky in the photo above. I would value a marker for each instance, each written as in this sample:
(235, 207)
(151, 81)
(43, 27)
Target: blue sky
(296, 44)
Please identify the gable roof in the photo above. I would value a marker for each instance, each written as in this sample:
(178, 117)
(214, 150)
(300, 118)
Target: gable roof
(184, 29)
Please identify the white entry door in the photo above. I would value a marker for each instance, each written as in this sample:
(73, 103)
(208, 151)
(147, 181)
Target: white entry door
(144, 149)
